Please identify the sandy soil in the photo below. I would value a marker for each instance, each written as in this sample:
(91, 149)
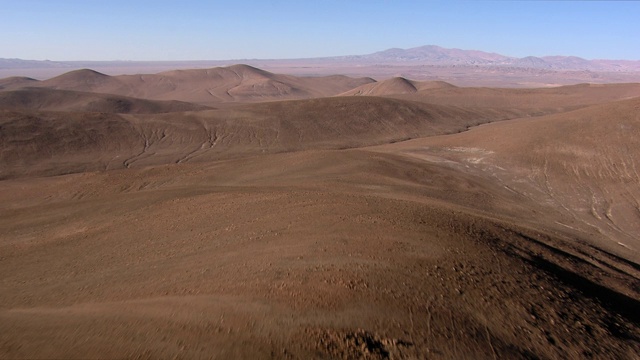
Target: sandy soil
(316, 229)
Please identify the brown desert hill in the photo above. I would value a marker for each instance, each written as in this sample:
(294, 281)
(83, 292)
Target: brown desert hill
(242, 83)
(82, 80)
(584, 162)
(16, 82)
(60, 142)
(206, 86)
(76, 101)
(314, 254)
(51, 143)
(434, 84)
(395, 86)
(542, 100)
(274, 229)
(524, 102)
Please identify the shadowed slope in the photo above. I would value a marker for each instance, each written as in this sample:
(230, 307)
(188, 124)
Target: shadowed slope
(52, 143)
(82, 143)
(75, 101)
(16, 82)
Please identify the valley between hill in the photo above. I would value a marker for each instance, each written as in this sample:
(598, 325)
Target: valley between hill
(236, 213)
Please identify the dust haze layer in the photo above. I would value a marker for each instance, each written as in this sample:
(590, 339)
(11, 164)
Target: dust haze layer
(434, 63)
(237, 213)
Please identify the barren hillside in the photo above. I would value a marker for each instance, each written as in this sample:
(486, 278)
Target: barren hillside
(582, 161)
(60, 143)
(546, 100)
(427, 221)
(396, 86)
(75, 101)
(205, 86)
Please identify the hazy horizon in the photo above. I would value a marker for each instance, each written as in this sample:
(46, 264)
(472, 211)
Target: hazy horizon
(160, 31)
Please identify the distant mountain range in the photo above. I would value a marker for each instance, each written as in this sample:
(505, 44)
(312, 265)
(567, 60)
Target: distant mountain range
(30, 64)
(436, 55)
(425, 55)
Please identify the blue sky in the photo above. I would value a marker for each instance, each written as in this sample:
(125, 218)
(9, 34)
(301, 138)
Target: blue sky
(221, 30)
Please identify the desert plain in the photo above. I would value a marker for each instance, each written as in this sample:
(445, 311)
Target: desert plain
(233, 212)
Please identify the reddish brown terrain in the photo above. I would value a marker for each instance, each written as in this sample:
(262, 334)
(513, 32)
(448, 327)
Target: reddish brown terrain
(237, 213)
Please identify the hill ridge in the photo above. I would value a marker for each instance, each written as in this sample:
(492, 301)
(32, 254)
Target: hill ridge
(234, 83)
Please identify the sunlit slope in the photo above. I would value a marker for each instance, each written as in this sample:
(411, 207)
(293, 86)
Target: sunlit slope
(530, 102)
(313, 254)
(585, 161)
